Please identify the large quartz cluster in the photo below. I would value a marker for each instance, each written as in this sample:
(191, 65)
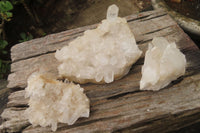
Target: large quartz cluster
(163, 63)
(52, 101)
(102, 54)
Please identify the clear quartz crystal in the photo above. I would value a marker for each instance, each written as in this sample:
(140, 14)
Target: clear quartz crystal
(163, 63)
(112, 12)
(102, 54)
(52, 101)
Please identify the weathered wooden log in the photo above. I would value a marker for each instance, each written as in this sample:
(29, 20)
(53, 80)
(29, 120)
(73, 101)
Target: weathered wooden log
(17, 99)
(40, 52)
(15, 120)
(137, 109)
(118, 106)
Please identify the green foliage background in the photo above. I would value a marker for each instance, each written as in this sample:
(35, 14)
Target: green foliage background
(5, 15)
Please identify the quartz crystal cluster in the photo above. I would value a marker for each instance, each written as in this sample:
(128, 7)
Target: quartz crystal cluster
(163, 63)
(102, 54)
(52, 101)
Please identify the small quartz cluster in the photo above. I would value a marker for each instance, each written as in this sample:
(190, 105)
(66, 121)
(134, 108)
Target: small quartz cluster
(163, 63)
(52, 101)
(102, 54)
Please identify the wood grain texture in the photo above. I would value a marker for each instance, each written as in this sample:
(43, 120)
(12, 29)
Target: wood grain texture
(56, 41)
(37, 54)
(118, 106)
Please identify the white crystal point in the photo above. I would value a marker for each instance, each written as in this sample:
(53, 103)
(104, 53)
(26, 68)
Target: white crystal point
(52, 101)
(112, 12)
(101, 55)
(163, 63)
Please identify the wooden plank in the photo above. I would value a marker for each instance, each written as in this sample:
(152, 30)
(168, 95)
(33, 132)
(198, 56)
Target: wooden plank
(17, 99)
(15, 120)
(106, 98)
(135, 107)
(118, 106)
(23, 68)
(52, 42)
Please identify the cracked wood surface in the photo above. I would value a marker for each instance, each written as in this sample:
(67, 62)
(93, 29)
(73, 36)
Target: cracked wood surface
(118, 106)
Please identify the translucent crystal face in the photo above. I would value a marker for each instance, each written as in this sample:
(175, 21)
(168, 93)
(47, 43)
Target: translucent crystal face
(163, 63)
(102, 54)
(52, 101)
(112, 12)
